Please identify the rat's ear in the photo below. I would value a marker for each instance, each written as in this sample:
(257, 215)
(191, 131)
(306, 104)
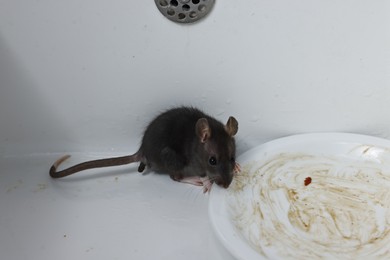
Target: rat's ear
(203, 130)
(231, 126)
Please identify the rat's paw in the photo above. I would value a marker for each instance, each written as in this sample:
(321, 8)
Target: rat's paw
(197, 181)
(194, 180)
(206, 184)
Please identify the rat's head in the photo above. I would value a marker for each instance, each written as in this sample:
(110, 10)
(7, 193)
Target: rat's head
(217, 149)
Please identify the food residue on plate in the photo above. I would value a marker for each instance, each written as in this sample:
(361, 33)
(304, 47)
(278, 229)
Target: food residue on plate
(345, 214)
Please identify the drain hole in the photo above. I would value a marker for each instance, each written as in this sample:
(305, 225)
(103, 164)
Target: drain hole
(174, 2)
(202, 8)
(186, 8)
(181, 16)
(195, 2)
(171, 12)
(193, 15)
(163, 3)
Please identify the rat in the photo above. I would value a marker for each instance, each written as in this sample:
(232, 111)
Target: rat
(189, 145)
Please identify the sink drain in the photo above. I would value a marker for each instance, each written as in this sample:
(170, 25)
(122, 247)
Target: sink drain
(184, 11)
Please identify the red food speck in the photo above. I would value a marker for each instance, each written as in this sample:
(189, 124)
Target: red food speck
(307, 181)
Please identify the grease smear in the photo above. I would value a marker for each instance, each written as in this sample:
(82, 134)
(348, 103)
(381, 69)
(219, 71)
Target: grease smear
(344, 213)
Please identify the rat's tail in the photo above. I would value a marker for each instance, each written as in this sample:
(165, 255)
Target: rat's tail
(91, 164)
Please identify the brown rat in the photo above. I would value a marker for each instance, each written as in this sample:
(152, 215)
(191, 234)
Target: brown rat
(184, 142)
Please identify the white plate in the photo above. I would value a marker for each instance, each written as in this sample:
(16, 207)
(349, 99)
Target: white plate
(349, 154)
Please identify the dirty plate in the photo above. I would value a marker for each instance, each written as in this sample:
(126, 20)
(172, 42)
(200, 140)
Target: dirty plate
(310, 196)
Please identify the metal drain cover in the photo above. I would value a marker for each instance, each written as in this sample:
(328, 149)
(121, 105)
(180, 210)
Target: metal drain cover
(184, 11)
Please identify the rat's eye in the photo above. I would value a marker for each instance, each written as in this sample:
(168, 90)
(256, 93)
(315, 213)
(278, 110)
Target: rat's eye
(212, 161)
(233, 159)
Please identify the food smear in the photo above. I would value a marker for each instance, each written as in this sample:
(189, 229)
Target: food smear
(344, 214)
